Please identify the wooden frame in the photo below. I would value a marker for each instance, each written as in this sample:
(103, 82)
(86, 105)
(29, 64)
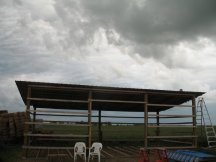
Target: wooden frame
(146, 100)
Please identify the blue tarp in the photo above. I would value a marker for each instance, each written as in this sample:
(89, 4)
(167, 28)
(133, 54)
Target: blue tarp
(201, 155)
(189, 156)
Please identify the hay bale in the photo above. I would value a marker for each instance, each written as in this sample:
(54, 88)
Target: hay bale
(19, 119)
(18, 124)
(1, 126)
(12, 131)
(4, 126)
(3, 112)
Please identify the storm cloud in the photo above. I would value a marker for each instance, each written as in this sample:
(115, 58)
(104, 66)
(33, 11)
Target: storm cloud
(158, 44)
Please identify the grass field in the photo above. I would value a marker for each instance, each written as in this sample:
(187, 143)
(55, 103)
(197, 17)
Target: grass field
(116, 135)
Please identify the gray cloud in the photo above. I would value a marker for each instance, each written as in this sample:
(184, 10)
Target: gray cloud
(159, 44)
(157, 22)
(154, 25)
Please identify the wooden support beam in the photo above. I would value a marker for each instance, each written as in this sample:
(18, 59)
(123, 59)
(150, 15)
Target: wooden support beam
(133, 117)
(171, 116)
(46, 147)
(174, 123)
(110, 155)
(34, 119)
(118, 151)
(38, 153)
(52, 123)
(54, 135)
(89, 118)
(56, 100)
(180, 142)
(171, 126)
(172, 147)
(194, 120)
(158, 124)
(125, 149)
(149, 137)
(99, 126)
(168, 105)
(27, 118)
(69, 153)
(146, 120)
(66, 113)
(119, 101)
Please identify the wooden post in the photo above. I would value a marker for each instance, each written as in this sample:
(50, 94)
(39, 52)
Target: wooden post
(146, 120)
(89, 119)
(99, 126)
(34, 119)
(27, 118)
(194, 120)
(158, 123)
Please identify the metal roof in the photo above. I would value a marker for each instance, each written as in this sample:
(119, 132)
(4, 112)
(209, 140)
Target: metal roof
(61, 96)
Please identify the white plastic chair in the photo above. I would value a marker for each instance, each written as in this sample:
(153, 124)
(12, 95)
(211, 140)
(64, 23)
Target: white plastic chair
(95, 150)
(79, 149)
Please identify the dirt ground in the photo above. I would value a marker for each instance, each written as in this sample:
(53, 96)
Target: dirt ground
(116, 157)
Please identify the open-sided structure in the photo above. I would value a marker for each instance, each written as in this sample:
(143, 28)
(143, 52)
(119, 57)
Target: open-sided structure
(57, 99)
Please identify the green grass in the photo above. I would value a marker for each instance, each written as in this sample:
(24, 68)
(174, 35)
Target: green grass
(131, 131)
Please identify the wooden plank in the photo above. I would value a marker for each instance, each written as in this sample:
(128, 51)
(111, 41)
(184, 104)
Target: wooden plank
(171, 116)
(149, 137)
(60, 139)
(34, 119)
(38, 153)
(168, 105)
(146, 120)
(107, 153)
(158, 123)
(181, 142)
(58, 112)
(173, 123)
(46, 147)
(89, 118)
(172, 126)
(46, 114)
(119, 101)
(102, 155)
(26, 139)
(170, 94)
(48, 152)
(69, 153)
(194, 120)
(54, 135)
(46, 123)
(118, 151)
(133, 148)
(58, 155)
(133, 117)
(125, 149)
(56, 100)
(99, 126)
(172, 147)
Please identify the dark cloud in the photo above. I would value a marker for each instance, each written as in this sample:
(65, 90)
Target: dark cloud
(159, 44)
(157, 22)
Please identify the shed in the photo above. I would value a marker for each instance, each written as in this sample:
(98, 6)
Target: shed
(59, 99)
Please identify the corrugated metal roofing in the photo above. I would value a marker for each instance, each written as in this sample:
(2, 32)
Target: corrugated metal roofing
(104, 98)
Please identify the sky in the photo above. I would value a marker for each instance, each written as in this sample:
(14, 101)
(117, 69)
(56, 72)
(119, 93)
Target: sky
(150, 44)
